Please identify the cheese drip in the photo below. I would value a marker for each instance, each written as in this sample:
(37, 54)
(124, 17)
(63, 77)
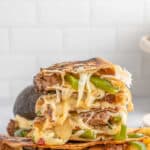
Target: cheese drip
(82, 82)
(23, 123)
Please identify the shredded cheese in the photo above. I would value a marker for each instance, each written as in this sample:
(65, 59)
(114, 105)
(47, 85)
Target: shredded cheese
(23, 123)
(90, 99)
(58, 96)
(81, 86)
(124, 117)
(65, 113)
(123, 75)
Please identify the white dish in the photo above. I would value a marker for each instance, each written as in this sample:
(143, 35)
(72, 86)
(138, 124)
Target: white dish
(145, 44)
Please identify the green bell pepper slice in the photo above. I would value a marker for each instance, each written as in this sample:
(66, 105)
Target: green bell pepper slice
(38, 113)
(123, 133)
(88, 134)
(116, 119)
(138, 145)
(104, 85)
(21, 132)
(135, 135)
(72, 80)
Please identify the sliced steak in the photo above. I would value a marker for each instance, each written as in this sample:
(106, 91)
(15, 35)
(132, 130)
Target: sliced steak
(42, 82)
(96, 118)
(110, 98)
(113, 99)
(11, 127)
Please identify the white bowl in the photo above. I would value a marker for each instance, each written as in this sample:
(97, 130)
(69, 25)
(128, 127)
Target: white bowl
(145, 44)
(146, 120)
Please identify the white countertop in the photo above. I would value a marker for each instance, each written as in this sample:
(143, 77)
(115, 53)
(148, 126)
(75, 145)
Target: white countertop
(142, 106)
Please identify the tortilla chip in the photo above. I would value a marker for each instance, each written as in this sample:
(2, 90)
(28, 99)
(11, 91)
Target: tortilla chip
(145, 131)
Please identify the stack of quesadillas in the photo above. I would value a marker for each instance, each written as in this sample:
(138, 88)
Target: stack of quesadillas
(75, 105)
(82, 100)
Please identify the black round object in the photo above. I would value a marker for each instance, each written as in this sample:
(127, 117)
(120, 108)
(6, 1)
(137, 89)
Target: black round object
(25, 103)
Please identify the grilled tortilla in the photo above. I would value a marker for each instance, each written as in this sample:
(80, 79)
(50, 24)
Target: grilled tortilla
(49, 77)
(18, 143)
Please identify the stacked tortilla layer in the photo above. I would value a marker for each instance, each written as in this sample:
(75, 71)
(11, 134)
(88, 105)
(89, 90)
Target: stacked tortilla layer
(81, 101)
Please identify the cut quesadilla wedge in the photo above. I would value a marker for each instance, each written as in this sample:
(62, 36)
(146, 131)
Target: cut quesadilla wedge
(19, 143)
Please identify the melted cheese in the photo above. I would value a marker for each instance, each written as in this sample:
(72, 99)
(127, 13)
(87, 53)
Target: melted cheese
(53, 136)
(81, 87)
(64, 131)
(129, 100)
(90, 99)
(92, 92)
(47, 136)
(66, 93)
(123, 75)
(64, 114)
(58, 96)
(23, 123)
(124, 117)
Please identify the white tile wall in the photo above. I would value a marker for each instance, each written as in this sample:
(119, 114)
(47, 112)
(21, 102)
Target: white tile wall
(36, 33)
(16, 86)
(76, 40)
(103, 39)
(147, 11)
(128, 38)
(118, 11)
(64, 12)
(143, 88)
(4, 41)
(17, 67)
(145, 71)
(36, 40)
(88, 40)
(5, 89)
(17, 12)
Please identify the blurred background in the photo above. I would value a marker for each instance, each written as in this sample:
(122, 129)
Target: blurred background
(37, 33)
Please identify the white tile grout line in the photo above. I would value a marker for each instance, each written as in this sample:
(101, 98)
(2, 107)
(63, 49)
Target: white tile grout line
(143, 13)
(145, 22)
(117, 38)
(37, 63)
(63, 40)
(90, 13)
(10, 39)
(37, 12)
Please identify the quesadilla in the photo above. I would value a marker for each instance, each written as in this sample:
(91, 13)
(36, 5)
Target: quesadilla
(137, 141)
(79, 101)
